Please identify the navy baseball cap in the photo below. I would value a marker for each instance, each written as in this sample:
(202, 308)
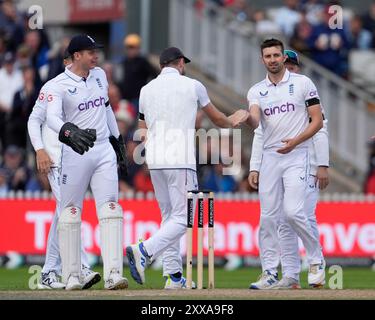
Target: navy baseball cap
(292, 57)
(83, 42)
(170, 54)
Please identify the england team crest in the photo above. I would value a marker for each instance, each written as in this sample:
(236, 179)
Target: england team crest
(291, 89)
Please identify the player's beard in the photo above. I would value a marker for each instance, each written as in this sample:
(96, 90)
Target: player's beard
(275, 69)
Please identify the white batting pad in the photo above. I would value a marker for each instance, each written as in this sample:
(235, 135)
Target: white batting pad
(69, 233)
(111, 237)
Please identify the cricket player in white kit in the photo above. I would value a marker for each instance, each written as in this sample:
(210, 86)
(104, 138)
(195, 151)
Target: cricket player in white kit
(48, 156)
(318, 179)
(79, 111)
(168, 108)
(284, 103)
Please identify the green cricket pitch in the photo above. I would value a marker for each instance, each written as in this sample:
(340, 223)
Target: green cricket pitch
(358, 283)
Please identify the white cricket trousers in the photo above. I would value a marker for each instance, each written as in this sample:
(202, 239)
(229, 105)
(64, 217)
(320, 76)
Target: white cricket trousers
(290, 258)
(171, 187)
(282, 189)
(96, 168)
(53, 260)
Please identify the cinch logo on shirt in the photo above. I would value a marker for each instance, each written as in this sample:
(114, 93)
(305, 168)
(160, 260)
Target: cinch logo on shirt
(91, 104)
(279, 109)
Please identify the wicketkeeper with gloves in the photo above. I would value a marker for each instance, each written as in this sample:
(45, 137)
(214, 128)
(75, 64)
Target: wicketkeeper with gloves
(79, 111)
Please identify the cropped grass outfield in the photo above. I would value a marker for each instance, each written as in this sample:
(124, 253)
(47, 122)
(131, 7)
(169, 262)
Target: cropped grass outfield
(357, 283)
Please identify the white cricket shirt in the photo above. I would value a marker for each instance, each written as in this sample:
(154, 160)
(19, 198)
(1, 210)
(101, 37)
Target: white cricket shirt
(318, 149)
(82, 101)
(41, 136)
(168, 105)
(284, 107)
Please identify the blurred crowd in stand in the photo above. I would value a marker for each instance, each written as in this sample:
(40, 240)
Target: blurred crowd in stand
(28, 59)
(313, 27)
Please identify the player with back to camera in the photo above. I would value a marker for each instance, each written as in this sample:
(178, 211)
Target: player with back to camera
(318, 179)
(79, 111)
(288, 107)
(167, 110)
(48, 154)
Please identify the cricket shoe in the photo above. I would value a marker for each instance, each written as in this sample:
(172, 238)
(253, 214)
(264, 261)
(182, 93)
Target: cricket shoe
(317, 276)
(266, 280)
(50, 280)
(173, 283)
(138, 261)
(115, 281)
(287, 283)
(73, 283)
(89, 277)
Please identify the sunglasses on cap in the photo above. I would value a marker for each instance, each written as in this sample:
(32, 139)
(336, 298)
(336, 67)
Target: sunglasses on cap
(292, 57)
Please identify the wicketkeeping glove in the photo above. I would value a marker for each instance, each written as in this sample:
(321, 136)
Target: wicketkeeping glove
(118, 145)
(78, 139)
